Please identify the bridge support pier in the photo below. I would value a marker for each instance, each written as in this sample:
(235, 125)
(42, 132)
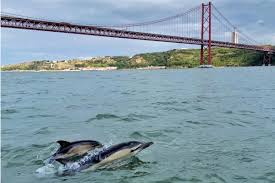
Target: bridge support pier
(206, 24)
(267, 59)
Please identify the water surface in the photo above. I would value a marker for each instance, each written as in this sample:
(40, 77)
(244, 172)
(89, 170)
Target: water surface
(208, 125)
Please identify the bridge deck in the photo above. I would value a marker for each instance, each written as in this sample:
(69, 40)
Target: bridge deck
(41, 25)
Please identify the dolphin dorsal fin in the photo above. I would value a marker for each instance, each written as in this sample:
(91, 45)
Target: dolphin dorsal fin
(63, 143)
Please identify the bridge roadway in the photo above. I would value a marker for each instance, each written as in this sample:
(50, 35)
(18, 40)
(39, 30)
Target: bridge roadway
(63, 27)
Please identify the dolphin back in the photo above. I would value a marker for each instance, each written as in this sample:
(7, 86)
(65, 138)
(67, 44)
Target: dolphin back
(64, 144)
(71, 151)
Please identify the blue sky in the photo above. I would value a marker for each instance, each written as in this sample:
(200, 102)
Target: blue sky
(255, 17)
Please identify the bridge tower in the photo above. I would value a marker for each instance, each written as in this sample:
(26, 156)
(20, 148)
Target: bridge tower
(267, 58)
(206, 23)
(235, 37)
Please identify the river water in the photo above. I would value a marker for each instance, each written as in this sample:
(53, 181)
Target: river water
(207, 125)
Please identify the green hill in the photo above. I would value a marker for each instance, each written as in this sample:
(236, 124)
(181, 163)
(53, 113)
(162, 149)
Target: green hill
(171, 59)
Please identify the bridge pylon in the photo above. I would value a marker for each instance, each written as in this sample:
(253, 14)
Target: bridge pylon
(206, 24)
(267, 59)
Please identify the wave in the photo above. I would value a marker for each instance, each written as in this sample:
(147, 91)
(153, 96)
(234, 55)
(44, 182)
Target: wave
(128, 118)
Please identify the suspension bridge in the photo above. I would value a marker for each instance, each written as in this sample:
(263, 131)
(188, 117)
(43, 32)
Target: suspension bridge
(203, 25)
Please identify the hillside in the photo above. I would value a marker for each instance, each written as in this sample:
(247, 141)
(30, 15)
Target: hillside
(171, 59)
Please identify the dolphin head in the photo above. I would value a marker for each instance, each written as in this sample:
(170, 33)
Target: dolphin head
(136, 146)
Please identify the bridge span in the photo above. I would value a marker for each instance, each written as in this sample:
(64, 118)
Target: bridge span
(203, 25)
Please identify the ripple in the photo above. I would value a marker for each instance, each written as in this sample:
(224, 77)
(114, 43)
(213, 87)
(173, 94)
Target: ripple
(137, 135)
(193, 122)
(199, 109)
(30, 108)
(267, 177)
(22, 92)
(166, 103)
(106, 116)
(4, 117)
(172, 131)
(253, 139)
(9, 111)
(216, 177)
(178, 109)
(246, 112)
(198, 123)
(126, 93)
(246, 159)
(178, 179)
(72, 107)
(128, 118)
(155, 134)
(20, 157)
(235, 124)
(141, 174)
(43, 131)
(7, 131)
(136, 117)
(142, 116)
(5, 149)
(42, 92)
(239, 177)
(103, 116)
(41, 116)
(228, 112)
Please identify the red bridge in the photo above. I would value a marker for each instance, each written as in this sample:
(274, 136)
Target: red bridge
(203, 25)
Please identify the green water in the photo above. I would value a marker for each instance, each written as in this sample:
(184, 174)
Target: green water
(207, 125)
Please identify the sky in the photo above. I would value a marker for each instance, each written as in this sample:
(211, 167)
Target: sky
(255, 17)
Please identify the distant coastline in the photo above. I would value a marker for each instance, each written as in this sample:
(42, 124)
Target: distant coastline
(91, 69)
(178, 58)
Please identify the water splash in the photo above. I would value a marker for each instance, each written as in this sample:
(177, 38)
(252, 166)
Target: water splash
(51, 168)
(48, 169)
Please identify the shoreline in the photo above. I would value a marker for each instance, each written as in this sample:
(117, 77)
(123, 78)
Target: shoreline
(126, 69)
(92, 69)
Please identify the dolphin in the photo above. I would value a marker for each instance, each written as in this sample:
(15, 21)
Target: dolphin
(116, 152)
(69, 151)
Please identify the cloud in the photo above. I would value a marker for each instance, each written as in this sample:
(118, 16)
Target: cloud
(260, 22)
